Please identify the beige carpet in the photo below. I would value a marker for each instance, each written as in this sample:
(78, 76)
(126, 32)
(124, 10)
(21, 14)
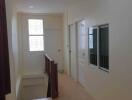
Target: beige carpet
(70, 90)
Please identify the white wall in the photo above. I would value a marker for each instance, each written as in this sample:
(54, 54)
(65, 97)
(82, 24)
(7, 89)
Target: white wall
(16, 55)
(13, 49)
(9, 13)
(15, 43)
(33, 62)
(115, 85)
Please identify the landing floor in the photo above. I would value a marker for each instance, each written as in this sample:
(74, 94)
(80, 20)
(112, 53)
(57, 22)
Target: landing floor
(70, 90)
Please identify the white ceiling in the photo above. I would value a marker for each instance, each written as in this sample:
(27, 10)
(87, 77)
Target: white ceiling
(43, 6)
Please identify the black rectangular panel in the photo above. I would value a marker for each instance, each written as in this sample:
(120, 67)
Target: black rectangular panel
(104, 46)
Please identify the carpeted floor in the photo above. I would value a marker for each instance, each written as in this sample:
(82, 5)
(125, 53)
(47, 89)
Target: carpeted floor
(70, 90)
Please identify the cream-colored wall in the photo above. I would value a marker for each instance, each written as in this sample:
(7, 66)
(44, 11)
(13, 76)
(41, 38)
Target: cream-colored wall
(33, 62)
(115, 85)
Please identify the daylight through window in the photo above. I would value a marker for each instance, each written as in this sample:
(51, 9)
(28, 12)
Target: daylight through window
(36, 35)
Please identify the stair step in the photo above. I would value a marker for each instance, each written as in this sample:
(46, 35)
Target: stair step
(43, 99)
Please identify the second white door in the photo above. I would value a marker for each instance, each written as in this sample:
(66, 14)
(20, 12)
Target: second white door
(82, 48)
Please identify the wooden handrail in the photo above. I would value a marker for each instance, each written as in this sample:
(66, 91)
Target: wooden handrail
(47, 56)
(51, 70)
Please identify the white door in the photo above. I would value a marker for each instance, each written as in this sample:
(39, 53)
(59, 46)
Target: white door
(73, 51)
(82, 50)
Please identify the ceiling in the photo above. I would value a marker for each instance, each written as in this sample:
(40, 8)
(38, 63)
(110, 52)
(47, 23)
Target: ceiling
(43, 6)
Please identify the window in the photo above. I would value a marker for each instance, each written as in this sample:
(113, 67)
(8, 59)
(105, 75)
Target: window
(36, 35)
(93, 45)
(99, 46)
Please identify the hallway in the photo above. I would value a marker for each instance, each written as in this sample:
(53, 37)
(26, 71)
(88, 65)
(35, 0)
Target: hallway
(90, 39)
(70, 90)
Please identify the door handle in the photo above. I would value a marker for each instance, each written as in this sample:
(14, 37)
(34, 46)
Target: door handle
(59, 50)
(83, 54)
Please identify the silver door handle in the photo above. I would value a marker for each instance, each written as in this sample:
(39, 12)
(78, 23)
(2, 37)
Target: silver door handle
(83, 54)
(59, 50)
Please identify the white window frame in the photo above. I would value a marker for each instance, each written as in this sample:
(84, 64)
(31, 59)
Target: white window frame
(98, 41)
(36, 35)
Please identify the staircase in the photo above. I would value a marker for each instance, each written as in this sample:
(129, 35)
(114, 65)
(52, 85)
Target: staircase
(43, 99)
(52, 73)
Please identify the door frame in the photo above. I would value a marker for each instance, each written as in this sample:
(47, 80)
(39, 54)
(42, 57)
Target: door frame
(69, 50)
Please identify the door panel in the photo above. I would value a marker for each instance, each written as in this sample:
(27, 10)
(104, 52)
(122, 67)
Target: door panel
(82, 50)
(73, 52)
